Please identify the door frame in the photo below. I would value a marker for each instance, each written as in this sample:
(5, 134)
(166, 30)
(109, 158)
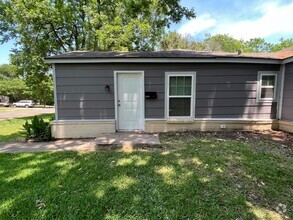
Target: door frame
(116, 72)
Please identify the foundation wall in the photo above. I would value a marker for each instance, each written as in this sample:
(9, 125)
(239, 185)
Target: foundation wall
(81, 129)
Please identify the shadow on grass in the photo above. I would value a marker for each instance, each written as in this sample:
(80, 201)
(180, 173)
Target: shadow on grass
(204, 179)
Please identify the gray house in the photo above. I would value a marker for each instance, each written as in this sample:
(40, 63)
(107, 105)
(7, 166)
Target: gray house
(104, 92)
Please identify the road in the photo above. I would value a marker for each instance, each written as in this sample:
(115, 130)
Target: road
(11, 113)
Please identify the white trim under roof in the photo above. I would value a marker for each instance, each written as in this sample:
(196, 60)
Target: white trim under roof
(166, 60)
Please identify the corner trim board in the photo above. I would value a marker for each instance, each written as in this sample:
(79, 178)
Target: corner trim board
(55, 92)
(281, 91)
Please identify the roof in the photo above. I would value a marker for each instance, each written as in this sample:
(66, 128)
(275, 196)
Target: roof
(169, 54)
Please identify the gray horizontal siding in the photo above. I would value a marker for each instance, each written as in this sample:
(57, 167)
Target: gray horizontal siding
(230, 102)
(287, 108)
(235, 109)
(222, 90)
(237, 116)
(214, 94)
(105, 113)
(227, 87)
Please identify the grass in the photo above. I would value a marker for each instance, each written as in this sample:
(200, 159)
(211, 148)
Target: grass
(190, 178)
(12, 130)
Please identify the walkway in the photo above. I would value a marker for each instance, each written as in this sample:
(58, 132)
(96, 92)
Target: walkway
(123, 141)
(59, 145)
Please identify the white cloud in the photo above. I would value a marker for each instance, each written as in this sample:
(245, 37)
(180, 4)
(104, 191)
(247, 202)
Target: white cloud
(274, 19)
(197, 25)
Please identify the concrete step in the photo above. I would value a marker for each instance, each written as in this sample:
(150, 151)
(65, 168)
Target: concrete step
(127, 141)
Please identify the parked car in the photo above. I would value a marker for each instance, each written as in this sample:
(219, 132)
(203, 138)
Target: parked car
(23, 103)
(4, 104)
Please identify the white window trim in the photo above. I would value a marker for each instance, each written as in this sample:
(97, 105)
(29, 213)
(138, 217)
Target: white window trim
(259, 85)
(193, 89)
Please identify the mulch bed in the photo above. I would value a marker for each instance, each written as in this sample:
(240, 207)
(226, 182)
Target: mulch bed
(248, 136)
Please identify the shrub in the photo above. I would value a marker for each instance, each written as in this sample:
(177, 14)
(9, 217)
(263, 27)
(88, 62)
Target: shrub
(38, 130)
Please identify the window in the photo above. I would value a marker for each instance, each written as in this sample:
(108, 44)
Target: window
(267, 82)
(180, 94)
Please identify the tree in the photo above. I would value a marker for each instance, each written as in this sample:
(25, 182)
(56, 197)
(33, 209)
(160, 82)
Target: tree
(7, 72)
(55, 26)
(257, 45)
(219, 42)
(222, 42)
(15, 89)
(42, 88)
(48, 27)
(173, 40)
(11, 84)
(282, 44)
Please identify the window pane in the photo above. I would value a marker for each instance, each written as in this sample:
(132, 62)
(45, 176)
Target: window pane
(179, 106)
(173, 81)
(268, 80)
(180, 85)
(180, 91)
(173, 90)
(187, 91)
(267, 93)
(187, 85)
(188, 81)
(180, 81)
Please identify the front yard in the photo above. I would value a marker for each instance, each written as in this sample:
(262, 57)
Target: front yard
(194, 176)
(12, 130)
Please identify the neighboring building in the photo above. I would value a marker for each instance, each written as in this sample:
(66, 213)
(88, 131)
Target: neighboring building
(102, 92)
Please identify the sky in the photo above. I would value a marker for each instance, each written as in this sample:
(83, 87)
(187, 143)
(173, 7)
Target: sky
(241, 19)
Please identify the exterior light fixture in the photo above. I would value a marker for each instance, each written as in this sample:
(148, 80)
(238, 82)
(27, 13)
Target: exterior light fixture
(107, 88)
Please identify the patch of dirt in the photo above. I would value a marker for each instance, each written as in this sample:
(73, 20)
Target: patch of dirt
(286, 139)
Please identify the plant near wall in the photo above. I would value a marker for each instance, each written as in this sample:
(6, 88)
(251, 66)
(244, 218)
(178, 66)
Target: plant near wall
(38, 130)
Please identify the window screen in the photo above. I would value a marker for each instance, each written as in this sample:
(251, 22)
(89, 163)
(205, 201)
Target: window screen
(180, 91)
(267, 87)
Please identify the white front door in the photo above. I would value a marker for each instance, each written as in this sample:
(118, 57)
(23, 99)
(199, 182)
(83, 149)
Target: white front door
(130, 101)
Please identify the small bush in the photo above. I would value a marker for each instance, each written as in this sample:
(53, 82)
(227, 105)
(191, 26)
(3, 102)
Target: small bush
(38, 130)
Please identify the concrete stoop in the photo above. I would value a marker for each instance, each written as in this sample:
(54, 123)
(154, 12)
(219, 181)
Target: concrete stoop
(127, 141)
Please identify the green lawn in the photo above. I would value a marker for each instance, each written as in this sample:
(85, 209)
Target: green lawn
(12, 130)
(192, 177)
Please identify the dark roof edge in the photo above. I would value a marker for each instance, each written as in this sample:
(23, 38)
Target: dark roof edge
(255, 60)
(287, 60)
